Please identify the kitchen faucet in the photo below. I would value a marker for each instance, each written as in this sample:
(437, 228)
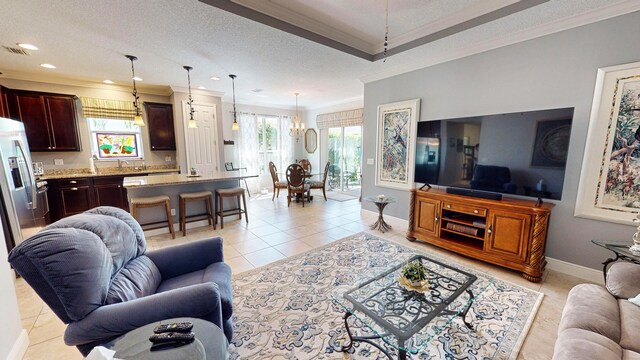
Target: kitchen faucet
(120, 163)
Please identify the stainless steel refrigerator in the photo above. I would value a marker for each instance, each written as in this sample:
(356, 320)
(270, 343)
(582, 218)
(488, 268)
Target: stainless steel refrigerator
(17, 182)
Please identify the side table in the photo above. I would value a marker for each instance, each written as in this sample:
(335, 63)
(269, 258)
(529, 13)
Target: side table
(210, 343)
(620, 249)
(381, 203)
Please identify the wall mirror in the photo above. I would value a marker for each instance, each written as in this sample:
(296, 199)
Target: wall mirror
(311, 140)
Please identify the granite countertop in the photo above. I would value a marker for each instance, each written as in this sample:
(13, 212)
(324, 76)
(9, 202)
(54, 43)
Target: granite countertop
(179, 179)
(84, 173)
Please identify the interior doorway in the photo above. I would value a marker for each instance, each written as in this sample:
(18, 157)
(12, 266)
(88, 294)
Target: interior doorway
(344, 153)
(202, 142)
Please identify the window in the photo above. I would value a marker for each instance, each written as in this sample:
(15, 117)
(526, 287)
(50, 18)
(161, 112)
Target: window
(268, 144)
(115, 139)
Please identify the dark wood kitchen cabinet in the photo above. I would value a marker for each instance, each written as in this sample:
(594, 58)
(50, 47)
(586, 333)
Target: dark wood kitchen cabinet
(161, 129)
(4, 102)
(49, 119)
(108, 191)
(69, 196)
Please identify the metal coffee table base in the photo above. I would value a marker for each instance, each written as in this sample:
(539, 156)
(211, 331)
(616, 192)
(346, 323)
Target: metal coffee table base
(402, 354)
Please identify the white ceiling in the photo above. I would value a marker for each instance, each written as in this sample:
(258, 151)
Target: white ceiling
(87, 41)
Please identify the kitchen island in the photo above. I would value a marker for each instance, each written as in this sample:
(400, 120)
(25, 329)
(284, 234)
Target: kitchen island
(174, 184)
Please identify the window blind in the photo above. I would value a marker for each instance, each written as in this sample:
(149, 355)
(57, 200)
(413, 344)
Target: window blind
(340, 119)
(107, 109)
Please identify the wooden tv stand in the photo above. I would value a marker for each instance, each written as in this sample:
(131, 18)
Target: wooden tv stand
(511, 233)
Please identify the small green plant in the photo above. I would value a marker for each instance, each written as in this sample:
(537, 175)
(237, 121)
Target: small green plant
(414, 271)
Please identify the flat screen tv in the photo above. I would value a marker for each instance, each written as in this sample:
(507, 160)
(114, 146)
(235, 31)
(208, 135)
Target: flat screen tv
(522, 153)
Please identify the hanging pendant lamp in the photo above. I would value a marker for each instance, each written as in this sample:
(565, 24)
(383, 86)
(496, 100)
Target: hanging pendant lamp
(234, 126)
(137, 119)
(192, 124)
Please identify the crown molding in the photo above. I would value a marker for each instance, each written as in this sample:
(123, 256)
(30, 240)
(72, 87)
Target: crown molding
(185, 90)
(308, 23)
(147, 89)
(466, 14)
(589, 17)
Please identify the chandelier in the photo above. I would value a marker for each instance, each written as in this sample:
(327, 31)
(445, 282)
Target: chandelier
(137, 119)
(297, 128)
(192, 122)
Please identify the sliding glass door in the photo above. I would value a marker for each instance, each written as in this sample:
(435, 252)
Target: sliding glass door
(345, 156)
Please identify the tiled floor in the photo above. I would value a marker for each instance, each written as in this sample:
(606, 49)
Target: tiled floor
(274, 232)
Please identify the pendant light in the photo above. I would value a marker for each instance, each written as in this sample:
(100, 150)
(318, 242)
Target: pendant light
(192, 124)
(234, 126)
(137, 119)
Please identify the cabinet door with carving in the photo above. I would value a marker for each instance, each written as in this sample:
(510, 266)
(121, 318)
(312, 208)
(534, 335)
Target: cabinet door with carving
(427, 217)
(508, 234)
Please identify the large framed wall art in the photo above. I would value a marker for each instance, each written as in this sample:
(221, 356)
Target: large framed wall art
(610, 179)
(395, 152)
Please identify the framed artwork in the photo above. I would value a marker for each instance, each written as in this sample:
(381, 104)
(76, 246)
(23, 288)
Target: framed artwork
(117, 145)
(395, 152)
(609, 187)
(551, 144)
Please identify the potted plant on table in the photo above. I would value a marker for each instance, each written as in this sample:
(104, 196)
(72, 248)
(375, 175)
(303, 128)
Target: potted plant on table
(414, 274)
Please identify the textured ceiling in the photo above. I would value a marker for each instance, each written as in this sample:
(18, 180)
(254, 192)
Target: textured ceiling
(87, 41)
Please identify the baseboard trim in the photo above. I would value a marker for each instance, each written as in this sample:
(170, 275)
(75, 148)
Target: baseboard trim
(19, 347)
(576, 270)
(176, 228)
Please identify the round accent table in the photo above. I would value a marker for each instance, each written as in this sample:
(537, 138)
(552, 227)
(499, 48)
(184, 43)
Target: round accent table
(380, 202)
(210, 343)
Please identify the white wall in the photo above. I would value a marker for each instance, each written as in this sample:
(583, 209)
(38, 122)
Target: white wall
(553, 71)
(80, 159)
(13, 339)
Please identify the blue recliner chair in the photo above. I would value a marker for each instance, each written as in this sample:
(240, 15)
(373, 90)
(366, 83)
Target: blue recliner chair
(93, 271)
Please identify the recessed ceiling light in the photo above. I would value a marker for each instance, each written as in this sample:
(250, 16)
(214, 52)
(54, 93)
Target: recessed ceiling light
(27, 46)
(137, 78)
(48, 66)
(215, 78)
(202, 88)
(108, 82)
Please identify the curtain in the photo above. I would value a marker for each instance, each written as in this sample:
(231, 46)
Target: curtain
(286, 143)
(248, 147)
(107, 109)
(353, 117)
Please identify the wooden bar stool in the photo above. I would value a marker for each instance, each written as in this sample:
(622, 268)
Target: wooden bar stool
(153, 201)
(205, 196)
(232, 192)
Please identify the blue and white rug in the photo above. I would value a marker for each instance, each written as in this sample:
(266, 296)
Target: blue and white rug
(284, 310)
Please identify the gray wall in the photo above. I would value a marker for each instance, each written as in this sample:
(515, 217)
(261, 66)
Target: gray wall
(554, 71)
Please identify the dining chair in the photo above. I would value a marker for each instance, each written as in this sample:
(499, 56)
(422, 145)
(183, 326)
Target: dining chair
(322, 184)
(306, 165)
(277, 184)
(296, 184)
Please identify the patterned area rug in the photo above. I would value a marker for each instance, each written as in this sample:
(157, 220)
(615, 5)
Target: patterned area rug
(284, 310)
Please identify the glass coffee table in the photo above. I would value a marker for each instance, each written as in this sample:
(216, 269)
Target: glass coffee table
(404, 319)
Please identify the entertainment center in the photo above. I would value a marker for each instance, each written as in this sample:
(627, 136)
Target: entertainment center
(510, 232)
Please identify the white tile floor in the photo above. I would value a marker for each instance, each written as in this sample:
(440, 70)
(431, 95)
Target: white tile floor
(275, 232)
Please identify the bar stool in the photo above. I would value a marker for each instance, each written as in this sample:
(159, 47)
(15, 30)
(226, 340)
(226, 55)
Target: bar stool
(153, 201)
(205, 196)
(232, 192)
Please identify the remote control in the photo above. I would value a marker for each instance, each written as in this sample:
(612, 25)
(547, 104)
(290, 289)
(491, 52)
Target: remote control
(172, 337)
(182, 327)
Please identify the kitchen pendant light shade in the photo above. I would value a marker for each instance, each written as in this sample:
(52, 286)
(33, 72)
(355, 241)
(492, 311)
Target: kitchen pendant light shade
(235, 126)
(137, 119)
(191, 124)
